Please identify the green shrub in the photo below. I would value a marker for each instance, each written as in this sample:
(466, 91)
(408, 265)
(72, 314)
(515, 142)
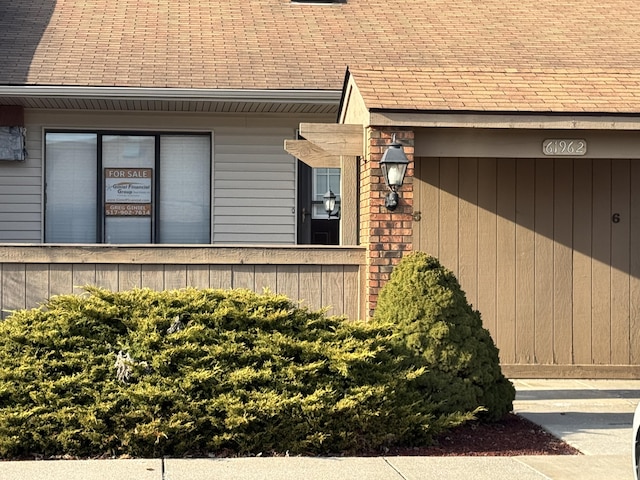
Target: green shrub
(206, 371)
(439, 327)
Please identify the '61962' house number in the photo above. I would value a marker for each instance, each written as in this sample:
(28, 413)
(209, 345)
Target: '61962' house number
(564, 146)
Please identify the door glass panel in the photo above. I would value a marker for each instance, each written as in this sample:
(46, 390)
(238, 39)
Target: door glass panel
(128, 171)
(325, 179)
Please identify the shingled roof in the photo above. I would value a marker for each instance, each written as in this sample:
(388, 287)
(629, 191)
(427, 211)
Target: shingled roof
(497, 89)
(499, 51)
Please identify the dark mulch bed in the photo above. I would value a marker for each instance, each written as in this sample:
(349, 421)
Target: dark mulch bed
(511, 436)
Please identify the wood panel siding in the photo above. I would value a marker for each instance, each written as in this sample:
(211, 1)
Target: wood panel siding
(318, 277)
(546, 249)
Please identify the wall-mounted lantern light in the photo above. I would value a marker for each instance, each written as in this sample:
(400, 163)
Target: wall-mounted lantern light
(329, 199)
(394, 167)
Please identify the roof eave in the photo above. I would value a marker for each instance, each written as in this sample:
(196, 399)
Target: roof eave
(489, 119)
(178, 94)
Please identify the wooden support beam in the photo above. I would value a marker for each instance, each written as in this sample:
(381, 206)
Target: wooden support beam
(311, 154)
(335, 138)
(349, 226)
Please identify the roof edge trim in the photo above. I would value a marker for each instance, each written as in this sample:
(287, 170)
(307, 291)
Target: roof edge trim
(189, 94)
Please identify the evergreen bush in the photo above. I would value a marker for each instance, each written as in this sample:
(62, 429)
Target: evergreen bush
(445, 337)
(196, 372)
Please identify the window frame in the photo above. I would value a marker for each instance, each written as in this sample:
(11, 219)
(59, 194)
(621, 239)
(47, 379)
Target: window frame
(99, 183)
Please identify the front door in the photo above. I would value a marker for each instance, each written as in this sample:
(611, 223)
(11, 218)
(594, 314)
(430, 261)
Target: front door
(315, 226)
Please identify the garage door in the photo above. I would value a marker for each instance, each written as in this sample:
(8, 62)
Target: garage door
(547, 250)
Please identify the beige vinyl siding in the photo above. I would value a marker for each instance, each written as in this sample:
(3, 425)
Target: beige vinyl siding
(253, 189)
(254, 186)
(21, 195)
(534, 246)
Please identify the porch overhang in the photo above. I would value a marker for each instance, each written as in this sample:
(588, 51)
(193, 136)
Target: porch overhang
(330, 145)
(325, 143)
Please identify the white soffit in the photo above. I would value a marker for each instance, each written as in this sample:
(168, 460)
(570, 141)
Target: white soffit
(171, 99)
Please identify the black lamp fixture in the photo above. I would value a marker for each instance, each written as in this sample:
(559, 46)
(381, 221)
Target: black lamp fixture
(394, 167)
(329, 200)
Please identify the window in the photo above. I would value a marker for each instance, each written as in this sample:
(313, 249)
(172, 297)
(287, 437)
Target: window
(127, 188)
(325, 179)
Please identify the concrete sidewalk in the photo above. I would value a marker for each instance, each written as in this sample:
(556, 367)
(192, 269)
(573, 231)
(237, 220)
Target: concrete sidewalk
(592, 415)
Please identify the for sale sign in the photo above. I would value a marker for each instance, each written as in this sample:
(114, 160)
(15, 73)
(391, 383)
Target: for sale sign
(127, 191)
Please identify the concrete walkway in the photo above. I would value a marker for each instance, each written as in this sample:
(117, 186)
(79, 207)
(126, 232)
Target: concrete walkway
(592, 415)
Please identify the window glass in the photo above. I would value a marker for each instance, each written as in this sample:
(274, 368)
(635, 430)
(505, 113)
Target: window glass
(325, 179)
(125, 157)
(119, 188)
(185, 196)
(71, 182)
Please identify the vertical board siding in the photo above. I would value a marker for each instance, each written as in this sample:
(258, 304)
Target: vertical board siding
(14, 280)
(37, 284)
(581, 288)
(152, 277)
(335, 287)
(449, 217)
(525, 261)
(555, 271)
(634, 265)
(543, 232)
(601, 262)
(468, 216)
(562, 281)
(506, 259)
(620, 251)
(487, 244)
(311, 287)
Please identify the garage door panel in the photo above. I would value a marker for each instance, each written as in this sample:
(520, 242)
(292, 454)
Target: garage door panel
(601, 264)
(535, 244)
(620, 255)
(487, 243)
(506, 259)
(582, 229)
(544, 261)
(525, 262)
(634, 264)
(468, 218)
(449, 227)
(562, 280)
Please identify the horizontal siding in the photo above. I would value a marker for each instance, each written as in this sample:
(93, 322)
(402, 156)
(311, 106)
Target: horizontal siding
(250, 202)
(20, 236)
(20, 190)
(254, 186)
(21, 194)
(265, 238)
(251, 169)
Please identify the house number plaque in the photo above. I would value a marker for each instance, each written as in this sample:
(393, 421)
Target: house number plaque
(564, 146)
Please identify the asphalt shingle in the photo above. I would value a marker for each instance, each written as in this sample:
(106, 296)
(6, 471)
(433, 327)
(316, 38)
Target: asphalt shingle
(532, 54)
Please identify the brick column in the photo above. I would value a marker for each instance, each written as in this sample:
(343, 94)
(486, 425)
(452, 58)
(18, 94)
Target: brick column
(386, 234)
